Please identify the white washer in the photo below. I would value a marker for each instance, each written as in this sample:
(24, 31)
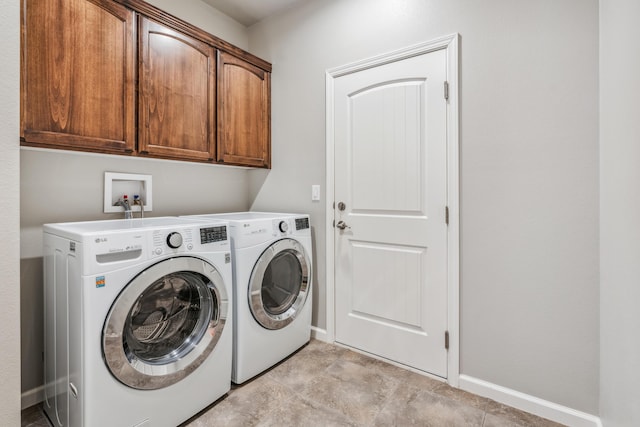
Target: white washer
(272, 256)
(138, 320)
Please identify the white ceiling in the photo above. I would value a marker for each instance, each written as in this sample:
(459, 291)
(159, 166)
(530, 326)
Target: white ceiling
(248, 12)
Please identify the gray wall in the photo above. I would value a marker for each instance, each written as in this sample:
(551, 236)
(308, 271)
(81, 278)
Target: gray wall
(9, 213)
(60, 186)
(620, 212)
(209, 19)
(529, 168)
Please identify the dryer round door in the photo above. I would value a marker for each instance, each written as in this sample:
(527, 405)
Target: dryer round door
(165, 323)
(280, 284)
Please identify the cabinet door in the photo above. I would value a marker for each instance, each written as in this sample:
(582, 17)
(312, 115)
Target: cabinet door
(244, 109)
(177, 94)
(78, 75)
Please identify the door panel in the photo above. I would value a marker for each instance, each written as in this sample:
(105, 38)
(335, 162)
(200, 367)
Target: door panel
(394, 264)
(386, 147)
(391, 173)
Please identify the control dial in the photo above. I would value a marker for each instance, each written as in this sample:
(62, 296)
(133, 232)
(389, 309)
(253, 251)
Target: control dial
(174, 240)
(283, 226)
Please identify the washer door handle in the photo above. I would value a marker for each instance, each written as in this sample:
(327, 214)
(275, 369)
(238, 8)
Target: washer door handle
(74, 390)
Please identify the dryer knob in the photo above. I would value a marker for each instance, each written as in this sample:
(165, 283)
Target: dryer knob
(174, 240)
(283, 226)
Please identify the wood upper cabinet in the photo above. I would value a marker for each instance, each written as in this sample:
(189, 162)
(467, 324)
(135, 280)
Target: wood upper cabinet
(124, 77)
(244, 109)
(177, 86)
(78, 75)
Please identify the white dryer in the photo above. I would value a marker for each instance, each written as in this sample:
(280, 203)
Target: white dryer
(138, 321)
(272, 256)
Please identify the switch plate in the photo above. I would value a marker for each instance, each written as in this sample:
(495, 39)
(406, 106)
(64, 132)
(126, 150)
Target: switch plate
(315, 192)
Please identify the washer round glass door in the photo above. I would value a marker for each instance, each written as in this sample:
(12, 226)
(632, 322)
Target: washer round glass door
(279, 284)
(165, 323)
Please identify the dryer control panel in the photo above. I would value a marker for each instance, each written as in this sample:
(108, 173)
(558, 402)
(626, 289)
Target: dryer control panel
(289, 226)
(302, 223)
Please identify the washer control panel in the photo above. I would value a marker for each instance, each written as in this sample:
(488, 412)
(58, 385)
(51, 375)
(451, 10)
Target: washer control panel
(172, 241)
(186, 239)
(213, 234)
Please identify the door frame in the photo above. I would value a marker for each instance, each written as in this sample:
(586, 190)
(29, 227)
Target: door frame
(450, 44)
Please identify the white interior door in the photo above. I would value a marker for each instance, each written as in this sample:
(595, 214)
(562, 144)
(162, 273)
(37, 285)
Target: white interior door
(391, 175)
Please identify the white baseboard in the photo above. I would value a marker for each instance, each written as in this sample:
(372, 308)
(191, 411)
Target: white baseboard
(543, 408)
(32, 397)
(319, 334)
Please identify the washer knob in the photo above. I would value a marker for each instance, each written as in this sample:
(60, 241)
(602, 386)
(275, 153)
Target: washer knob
(283, 226)
(174, 240)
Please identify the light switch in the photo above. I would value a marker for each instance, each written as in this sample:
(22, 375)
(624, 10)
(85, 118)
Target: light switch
(315, 192)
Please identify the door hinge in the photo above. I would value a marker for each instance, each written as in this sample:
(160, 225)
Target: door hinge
(446, 340)
(446, 90)
(334, 223)
(446, 214)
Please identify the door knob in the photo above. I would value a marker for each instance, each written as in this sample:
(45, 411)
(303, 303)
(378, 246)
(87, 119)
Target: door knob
(342, 225)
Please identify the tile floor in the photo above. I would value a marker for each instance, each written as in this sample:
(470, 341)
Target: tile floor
(326, 385)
